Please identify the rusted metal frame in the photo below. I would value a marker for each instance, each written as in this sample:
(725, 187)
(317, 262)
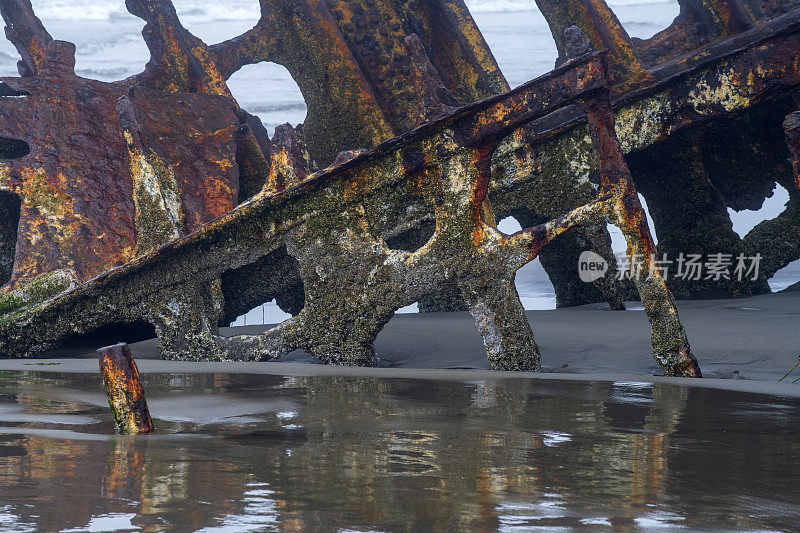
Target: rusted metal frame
(698, 23)
(670, 343)
(762, 59)
(180, 62)
(678, 78)
(257, 45)
(26, 33)
(537, 237)
(344, 109)
(78, 211)
(193, 266)
(770, 30)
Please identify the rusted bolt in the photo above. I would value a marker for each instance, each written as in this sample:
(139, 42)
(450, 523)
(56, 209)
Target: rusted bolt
(124, 388)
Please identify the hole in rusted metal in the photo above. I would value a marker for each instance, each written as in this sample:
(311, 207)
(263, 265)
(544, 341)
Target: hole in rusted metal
(745, 220)
(13, 148)
(414, 239)
(409, 309)
(533, 284)
(8, 92)
(268, 313)
(282, 104)
(9, 222)
(787, 279)
(273, 277)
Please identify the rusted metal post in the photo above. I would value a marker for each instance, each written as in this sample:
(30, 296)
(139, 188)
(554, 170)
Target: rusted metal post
(125, 393)
(669, 341)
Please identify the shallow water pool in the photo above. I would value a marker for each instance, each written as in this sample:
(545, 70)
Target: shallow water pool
(262, 453)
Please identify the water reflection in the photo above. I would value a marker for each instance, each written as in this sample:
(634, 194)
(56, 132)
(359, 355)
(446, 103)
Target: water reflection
(238, 453)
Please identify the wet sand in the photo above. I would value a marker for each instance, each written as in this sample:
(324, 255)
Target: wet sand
(752, 339)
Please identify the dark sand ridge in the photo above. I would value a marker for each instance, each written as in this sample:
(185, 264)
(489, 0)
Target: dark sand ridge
(753, 339)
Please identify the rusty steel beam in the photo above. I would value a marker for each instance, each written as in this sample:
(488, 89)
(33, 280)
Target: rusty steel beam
(362, 73)
(124, 389)
(739, 78)
(670, 343)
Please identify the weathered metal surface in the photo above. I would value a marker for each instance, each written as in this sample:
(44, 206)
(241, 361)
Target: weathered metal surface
(335, 223)
(363, 83)
(124, 389)
(351, 63)
(111, 173)
(26, 33)
(737, 80)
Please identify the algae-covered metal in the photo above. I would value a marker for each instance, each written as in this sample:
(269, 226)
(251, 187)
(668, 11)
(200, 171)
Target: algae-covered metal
(336, 224)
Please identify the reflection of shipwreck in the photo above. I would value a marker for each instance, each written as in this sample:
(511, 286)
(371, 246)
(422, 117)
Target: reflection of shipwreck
(121, 199)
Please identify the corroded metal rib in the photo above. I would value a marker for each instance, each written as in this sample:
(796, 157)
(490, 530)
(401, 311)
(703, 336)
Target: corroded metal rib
(333, 224)
(600, 24)
(26, 33)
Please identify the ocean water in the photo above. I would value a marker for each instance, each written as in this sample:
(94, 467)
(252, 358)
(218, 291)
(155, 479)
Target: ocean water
(110, 47)
(237, 453)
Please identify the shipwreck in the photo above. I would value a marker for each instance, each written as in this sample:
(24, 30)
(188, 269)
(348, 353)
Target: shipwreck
(157, 204)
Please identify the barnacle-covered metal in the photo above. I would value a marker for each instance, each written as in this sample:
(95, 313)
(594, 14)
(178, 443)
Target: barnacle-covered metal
(336, 224)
